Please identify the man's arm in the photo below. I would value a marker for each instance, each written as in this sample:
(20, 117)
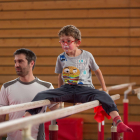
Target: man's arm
(99, 75)
(2, 119)
(60, 81)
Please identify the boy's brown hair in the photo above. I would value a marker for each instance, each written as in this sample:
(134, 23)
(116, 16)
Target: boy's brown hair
(70, 30)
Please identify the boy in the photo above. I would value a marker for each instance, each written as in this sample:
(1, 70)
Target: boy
(75, 81)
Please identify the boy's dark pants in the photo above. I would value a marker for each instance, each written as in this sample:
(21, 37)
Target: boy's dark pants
(75, 94)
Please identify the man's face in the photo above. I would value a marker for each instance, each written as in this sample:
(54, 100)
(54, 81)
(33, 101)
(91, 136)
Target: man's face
(21, 65)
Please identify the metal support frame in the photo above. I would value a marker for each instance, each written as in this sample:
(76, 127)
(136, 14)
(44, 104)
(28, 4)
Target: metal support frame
(114, 134)
(53, 130)
(101, 131)
(125, 109)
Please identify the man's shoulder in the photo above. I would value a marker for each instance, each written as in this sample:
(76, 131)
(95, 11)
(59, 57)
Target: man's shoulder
(9, 83)
(44, 83)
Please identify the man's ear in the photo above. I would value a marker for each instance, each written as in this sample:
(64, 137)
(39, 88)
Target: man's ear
(32, 63)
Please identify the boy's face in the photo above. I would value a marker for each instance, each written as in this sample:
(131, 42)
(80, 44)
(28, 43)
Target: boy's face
(69, 44)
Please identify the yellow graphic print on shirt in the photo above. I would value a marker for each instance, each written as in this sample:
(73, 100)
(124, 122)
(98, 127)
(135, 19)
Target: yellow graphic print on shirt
(71, 75)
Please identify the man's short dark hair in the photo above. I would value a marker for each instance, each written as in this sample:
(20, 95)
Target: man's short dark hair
(30, 55)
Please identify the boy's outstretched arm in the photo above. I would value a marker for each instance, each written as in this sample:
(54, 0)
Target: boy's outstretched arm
(99, 75)
(60, 81)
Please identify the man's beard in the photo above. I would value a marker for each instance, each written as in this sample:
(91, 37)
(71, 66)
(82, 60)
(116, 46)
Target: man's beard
(22, 72)
(19, 73)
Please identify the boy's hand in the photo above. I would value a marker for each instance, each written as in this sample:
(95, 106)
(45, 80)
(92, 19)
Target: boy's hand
(106, 91)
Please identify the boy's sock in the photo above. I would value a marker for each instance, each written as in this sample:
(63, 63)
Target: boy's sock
(121, 127)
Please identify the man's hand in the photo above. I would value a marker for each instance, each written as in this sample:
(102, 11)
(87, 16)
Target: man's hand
(54, 105)
(27, 114)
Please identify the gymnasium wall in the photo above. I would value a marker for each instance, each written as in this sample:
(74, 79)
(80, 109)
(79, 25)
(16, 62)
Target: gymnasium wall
(110, 31)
